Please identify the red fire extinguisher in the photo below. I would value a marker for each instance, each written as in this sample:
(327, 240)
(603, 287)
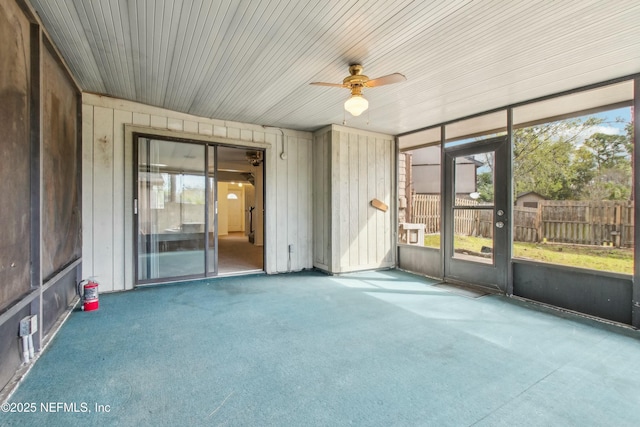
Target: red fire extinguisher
(88, 293)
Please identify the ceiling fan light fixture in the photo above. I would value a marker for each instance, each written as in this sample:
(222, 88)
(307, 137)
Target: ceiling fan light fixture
(355, 82)
(356, 105)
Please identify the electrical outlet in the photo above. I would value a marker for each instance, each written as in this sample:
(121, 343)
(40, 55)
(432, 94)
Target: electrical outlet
(28, 325)
(25, 325)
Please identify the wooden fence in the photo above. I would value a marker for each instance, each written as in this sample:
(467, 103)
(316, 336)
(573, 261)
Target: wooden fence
(570, 221)
(472, 222)
(525, 224)
(585, 222)
(426, 210)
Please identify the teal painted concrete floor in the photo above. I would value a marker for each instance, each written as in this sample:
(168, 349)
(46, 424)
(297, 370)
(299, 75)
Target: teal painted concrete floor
(373, 349)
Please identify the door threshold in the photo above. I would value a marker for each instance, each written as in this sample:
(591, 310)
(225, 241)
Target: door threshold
(239, 273)
(470, 290)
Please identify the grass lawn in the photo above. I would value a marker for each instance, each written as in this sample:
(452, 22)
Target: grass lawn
(592, 257)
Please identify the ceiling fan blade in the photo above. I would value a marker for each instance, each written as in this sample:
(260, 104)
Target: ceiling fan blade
(327, 84)
(386, 80)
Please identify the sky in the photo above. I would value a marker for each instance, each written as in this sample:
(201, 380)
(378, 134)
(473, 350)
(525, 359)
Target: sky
(614, 122)
(610, 116)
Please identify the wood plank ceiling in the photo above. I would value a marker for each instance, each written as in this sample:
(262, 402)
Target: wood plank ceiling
(252, 60)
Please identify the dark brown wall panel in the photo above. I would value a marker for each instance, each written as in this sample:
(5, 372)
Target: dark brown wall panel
(10, 346)
(61, 237)
(14, 153)
(56, 300)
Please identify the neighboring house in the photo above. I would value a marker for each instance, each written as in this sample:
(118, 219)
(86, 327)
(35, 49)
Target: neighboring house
(530, 199)
(425, 172)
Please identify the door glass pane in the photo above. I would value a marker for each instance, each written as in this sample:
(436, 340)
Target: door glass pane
(473, 235)
(474, 179)
(171, 209)
(473, 207)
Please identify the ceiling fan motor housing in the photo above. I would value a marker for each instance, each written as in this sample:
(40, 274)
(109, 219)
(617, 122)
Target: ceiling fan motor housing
(356, 78)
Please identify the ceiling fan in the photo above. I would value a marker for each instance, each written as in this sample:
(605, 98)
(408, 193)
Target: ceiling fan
(357, 104)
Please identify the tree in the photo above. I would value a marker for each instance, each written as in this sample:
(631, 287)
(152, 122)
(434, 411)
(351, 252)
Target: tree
(612, 172)
(609, 151)
(568, 160)
(610, 184)
(485, 186)
(542, 161)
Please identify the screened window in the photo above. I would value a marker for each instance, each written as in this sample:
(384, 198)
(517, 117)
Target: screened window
(419, 188)
(573, 181)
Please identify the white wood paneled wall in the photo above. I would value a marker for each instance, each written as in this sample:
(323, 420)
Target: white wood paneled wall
(289, 204)
(322, 198)
(107, 173)
(352, 167)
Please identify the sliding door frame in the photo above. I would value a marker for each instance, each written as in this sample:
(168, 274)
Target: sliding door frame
(208, 244)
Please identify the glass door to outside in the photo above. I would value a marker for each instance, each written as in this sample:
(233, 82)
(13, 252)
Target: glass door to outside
(476, 242)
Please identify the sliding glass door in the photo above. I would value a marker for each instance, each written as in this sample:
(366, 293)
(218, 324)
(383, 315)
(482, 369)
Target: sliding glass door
(174, 226)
